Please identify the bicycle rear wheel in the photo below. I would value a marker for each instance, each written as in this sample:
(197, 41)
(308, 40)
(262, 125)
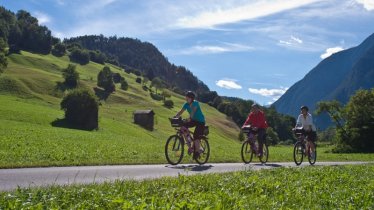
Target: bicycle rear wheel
(174, 149)
(247, 153)
(265, 154)
(312, 157)
(205, 153)
(298, 153)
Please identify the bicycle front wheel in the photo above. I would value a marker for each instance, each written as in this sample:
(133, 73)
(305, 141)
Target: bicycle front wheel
(174, 149)
(312, 157)
(247, 153)
(298, 153)
(205, 152)
(265, 154)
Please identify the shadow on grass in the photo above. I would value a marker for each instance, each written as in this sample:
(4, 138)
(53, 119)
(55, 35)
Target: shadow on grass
(191, 167)
(63, 123)
(101, 94)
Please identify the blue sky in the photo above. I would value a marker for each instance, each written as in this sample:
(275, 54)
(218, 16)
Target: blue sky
(252, 49)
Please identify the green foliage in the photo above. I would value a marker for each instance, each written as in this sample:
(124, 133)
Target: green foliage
(97, 56)
(105, 80)
(71, 76)
(124, 84)
(354, 122)
(157, 83)
(3, 59)
(283, 188)
(117, 78)
(81, 109)
(169, 103)
(359, 125)
(272, 137)
(31, 36)
(138, 80)
(58, 50)
(79, 56)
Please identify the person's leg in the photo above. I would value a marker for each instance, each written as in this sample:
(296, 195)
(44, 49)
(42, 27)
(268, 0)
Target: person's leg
(261, 140)
(199, 131)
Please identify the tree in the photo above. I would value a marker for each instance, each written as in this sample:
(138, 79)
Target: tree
(81, 109)
(3, 59)
(359, 125)
(80, 56)
(272, 136)
(124, 84)
(97, 56)
(166, 94)
(71, 76)
(105, 80)
(157, 83)
(59, 50)
(354, 122)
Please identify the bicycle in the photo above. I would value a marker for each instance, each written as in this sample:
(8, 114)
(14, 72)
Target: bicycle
(302, 148)
(174, 147)
(250, 147)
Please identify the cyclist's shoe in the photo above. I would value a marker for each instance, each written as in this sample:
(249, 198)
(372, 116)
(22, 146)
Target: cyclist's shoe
(190, 150)
(259, 154)
(312, 155)
(196, 155)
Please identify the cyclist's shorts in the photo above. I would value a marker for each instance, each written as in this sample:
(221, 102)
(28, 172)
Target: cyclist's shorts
(199, 130)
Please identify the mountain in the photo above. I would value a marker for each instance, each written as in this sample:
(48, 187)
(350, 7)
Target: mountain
(335, 78)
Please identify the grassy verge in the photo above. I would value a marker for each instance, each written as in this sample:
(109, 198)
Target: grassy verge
(337, 187)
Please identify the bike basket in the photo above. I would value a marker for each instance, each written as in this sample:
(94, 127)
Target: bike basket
(176, 122)
(206, 130)
(246, 130)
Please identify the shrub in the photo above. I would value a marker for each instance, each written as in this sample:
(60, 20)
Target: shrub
(105, 80)
(117, 77)
(81, 109)
(71, 76)
(138, 80)
(59, 50)
(124, 84)
(80, 56)
(169, 103)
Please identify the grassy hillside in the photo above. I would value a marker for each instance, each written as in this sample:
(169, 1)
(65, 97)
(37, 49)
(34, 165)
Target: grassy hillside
(29, 103)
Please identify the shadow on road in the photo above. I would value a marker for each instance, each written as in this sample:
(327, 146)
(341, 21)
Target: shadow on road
(274, 165)
(191, 167)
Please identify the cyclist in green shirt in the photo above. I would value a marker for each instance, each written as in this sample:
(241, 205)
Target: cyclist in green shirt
(196, 119)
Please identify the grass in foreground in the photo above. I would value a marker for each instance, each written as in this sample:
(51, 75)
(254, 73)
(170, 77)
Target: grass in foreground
(339, 187)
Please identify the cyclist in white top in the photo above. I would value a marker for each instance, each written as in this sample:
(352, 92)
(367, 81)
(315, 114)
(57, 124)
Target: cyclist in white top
(305, 121)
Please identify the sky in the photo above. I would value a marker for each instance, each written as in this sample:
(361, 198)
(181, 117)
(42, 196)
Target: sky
(254, 49)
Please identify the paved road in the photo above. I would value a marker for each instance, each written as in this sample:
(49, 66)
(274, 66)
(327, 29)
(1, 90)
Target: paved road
(11, 179)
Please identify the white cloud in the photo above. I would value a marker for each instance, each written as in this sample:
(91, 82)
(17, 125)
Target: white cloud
(331, 51)
(273, 93)
(228, 84)
(368, 4)
(291, 42)
(213, 49)
(297, 40)
(233, 13)
(42, 18)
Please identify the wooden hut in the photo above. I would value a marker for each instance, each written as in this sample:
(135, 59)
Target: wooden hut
(144, 118)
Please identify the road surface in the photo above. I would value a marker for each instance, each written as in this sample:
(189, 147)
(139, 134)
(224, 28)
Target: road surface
(11, 179)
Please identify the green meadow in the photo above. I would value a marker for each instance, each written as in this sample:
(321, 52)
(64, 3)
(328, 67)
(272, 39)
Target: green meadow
(330, 187)
(30, 103)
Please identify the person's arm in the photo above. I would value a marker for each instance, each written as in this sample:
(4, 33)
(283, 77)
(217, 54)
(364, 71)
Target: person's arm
(247, 121)
(179, 113)
(298, 122)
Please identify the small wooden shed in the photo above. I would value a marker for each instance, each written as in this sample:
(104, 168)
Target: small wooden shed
(144, 118)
